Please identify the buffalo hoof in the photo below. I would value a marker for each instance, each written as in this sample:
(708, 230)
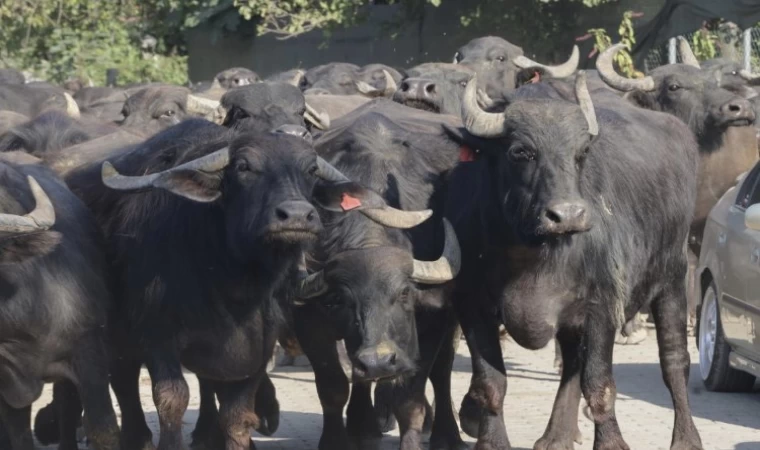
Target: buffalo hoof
(469, 416)
(615, 443)
(551, 443)
(687, 446)
(269, 418)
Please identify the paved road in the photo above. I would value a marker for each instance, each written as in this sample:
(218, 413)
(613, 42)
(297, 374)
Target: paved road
(725, 421)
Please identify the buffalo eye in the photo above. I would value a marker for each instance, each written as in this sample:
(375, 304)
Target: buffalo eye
(674, 87)
(463, 83)
(733, 72)
(500, 58)
(312, 170)
(168, 113)
(521, 154)
(583, 154)
(241, 165)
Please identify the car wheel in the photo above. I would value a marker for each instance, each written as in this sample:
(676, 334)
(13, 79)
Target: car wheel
(714, 369)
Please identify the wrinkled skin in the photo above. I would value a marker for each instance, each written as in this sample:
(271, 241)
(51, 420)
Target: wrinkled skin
(434, 87)
(547, 201)
(237, 76)
(53, 314)
(394, 328)
(491, 58)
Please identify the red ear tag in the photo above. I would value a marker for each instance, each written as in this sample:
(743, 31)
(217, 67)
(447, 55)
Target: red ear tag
(536, 77)
(348, 203)
(466, 154)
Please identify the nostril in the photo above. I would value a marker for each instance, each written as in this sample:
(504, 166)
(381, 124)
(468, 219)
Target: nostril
(310, 217)
(281, 214)
(430, 88)
(392, 360)
(404, 87)
(734, 108)
(553, 216)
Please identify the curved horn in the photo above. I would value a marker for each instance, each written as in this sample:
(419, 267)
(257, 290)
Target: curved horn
(72, 109)
(328, 172)
(368, 90)
(220, 113)
(297, 77)
(687, 55)
(446, 267)
(390, 84)
(587, 106)
(41, 218)
(312, 286)
(477, 121)
(200, 105)
(484, 100)
(749, 76)
(213, 162)
(561, 71)
(320, 120)
(606, 68)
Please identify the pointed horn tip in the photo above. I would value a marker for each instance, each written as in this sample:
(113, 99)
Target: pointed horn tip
(44, 213)
(107, 170)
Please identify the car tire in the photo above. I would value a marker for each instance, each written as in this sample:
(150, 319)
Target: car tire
(715, 371)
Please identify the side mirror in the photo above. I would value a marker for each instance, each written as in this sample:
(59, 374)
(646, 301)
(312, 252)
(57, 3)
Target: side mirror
(752, 217)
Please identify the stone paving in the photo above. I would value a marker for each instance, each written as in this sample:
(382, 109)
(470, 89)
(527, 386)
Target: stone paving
(725, 421)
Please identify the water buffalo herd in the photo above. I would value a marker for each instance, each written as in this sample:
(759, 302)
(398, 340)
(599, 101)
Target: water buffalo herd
(368, 217)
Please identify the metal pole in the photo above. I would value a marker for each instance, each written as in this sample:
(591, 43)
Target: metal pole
(672, 51)
(748, 49)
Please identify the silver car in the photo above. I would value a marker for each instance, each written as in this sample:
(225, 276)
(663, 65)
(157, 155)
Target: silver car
(729, 271)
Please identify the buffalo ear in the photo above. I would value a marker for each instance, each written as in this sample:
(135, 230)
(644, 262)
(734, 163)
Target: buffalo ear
(641, 99)
(346, 196)
(530, 75)
(18, 248)
(192, 184)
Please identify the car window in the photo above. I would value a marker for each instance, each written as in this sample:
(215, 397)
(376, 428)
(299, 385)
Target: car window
(749, 194)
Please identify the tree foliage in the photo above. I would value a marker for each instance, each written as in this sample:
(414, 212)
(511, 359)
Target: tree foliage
(61, 39)
(144, 39)
(602, 41)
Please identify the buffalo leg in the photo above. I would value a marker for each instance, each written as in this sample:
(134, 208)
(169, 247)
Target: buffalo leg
(562, 429)
(445, 433)
(90, 365)
(267, 407)
(236, 411)
(125, 381)
(670, 321)
(171, 396)
(361, 422)
(18, 424)
(207, 434)
(484, 403)
(597, 383)
(69, 412)
(331, 381)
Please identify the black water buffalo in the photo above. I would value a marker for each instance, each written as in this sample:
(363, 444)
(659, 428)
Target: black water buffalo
(151, 109)
(346, 79)
(34, 98)
(55, 300)
(266, 106)
(236, 76)
(371, 292)
(293, 77)
(435, 87)
(104, 103)
(9, 119)
(571, 220)
(497, 63)
(223, 216)
(51, 132)
(720, 120)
